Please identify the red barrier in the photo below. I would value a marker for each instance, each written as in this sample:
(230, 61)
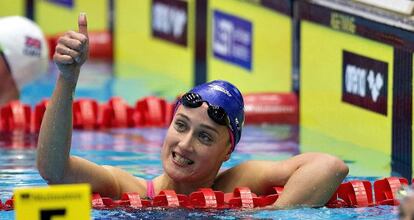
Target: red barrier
(128, 200)
(52, 42)
(15, 116)
(122, 113)
(386, 190)
(116, 114)
(335, 201)
(206, 198)
(241, 197)
(151, 111)
(169, 113)
(268, 199)
(85, 114)
(97, 202)
(109, 203)
(133, 200)
(100, 45)
(168, 198)
(88, 114)
(280, 108)
(8, 205)
(355, 193)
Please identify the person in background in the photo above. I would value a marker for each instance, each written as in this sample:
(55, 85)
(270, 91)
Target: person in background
(23, 55)
(205, 130)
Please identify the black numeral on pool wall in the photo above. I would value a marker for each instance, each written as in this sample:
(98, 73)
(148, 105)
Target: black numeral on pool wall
(48, 214)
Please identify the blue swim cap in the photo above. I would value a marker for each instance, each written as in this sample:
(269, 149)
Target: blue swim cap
(226, 95)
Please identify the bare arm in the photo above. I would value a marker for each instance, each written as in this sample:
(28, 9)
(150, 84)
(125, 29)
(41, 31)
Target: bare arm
(309, 179)
(54, 162)
(315, 179)
(56, 130)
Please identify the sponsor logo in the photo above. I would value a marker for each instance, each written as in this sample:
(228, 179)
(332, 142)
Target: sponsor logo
(66, 3)
(32, 47)
(232, 39)
(221, 89)
(169, 20)
(364, 82)
(343, 22)
(236, 121)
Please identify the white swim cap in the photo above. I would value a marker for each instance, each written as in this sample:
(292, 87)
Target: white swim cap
(24, 47)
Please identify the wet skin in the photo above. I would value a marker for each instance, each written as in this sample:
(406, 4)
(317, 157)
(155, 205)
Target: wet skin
(195, 147)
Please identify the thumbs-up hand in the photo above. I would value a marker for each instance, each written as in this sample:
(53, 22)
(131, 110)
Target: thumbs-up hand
(72, 50)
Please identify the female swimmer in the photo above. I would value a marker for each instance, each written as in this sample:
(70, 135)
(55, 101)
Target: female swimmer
(206, 127)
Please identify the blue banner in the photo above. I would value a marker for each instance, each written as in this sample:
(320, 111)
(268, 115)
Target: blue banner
(66, 3)
(232, 39)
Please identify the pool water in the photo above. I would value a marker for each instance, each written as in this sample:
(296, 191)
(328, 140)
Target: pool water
(138, 151)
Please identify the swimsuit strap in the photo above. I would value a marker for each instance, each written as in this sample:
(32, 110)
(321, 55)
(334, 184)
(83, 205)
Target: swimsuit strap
(150, 189)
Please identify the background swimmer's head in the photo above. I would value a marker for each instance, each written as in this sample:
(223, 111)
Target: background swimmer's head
(223, 94)
(24, 48)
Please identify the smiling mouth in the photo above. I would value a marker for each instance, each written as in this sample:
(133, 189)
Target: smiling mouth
(180, 160)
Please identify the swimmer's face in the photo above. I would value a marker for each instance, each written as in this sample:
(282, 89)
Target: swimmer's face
(195, 146)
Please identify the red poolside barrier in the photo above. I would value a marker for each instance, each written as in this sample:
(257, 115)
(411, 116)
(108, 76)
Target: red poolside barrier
(109, 203)
(97, 202)
(335, 201)
(115, 114)
(206, 198)
(241, 197)
(386, 190)
(169, 113)
(268, 199)
(8, 205)
(122, 113)
(167, 198)
(100, 45)
(355, 193)
(138, 118)
(281, 108)
(147, 112)
(133, 199)
(85, 114)
(15, 116)
(151, 111)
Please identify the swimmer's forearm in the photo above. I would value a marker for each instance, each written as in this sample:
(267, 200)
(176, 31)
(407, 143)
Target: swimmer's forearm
(312, 184)
(56, 132)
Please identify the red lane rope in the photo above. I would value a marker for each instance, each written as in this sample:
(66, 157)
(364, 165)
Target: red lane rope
(355, 193)
(148, 112)
(88, 114)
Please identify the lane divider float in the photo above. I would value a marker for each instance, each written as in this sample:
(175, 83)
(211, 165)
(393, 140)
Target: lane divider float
(352, 194)
(151, 111)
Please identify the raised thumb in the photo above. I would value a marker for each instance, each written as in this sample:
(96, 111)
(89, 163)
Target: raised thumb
(83, 24)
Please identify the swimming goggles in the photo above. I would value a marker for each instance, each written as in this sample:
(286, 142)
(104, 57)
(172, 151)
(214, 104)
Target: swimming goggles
(216, 113)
